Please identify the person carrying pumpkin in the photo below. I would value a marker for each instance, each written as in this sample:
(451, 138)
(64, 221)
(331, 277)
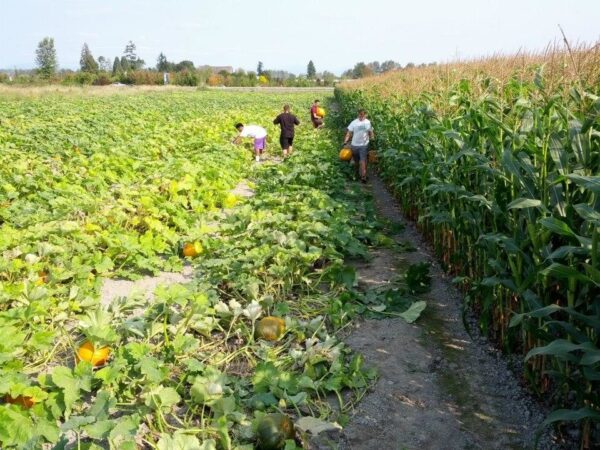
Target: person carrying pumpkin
(286, 120)
(315, 114)
(258, 133)
(360, 130)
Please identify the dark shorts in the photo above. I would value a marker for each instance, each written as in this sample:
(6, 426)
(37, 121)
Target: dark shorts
(317, 122)
(286, 142)
(359, 152)
(259, 143)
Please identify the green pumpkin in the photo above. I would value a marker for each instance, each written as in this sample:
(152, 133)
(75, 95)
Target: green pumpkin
(273, 430)
(270, 328)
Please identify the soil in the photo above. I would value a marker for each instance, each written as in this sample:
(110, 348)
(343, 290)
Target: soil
(438, 388)
(113, 289)
(243, 190)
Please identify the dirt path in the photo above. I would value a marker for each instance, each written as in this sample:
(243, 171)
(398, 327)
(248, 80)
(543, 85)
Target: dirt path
(438, 389)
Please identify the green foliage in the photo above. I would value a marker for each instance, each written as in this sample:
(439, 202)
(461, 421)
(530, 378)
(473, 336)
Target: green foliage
(130, 59)
(418, 279)
(45, 57)
(186, 78)
(162, 64)
(87, 63)
(116, 68)
(311, 71)
(96, 187)
(503, 180)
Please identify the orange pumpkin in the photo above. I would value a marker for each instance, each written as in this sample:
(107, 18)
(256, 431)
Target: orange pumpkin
(270, 328)
(96, 356)
(43, 277)
(320, 112)
(345, 154)
(192, 249)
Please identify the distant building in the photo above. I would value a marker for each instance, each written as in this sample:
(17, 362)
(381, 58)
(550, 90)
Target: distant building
(217, 69)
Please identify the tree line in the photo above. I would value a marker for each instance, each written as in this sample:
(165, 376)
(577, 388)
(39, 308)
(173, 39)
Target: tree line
(362, 70)
(131, 69)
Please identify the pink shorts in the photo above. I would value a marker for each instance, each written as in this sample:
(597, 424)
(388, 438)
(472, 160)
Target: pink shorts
(259, 143)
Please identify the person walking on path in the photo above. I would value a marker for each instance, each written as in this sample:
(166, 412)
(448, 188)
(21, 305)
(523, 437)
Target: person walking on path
(315, 118)
(360, 130)
(258, 133)
(287, 121)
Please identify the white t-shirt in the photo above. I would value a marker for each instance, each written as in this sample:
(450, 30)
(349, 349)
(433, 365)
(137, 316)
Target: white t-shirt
(253, 131)
(360, 131)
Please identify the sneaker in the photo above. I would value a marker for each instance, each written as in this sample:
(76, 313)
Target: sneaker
(363, 180)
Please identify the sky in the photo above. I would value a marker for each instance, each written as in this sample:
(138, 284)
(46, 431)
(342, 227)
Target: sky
(286, 34)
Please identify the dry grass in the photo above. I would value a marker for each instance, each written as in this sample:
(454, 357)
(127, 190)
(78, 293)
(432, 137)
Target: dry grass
(15, 92)
(563, 67)
(7, 91)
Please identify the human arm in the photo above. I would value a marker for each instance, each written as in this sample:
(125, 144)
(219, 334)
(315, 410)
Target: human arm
(313, 112)
(349, 133)
(296, 121)
(347, 137)
(277, 120)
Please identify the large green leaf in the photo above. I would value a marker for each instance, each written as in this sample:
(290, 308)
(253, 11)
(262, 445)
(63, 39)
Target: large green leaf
(560, 271)
(414, 312)
(558, 348)
(569, 415)
(178, 441)
(588, 182)
(557, 226)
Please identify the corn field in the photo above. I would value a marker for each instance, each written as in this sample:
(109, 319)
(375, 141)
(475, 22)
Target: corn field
(498, 162)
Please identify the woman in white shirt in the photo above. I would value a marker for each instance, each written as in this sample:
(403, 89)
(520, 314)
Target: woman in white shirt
(259, 134)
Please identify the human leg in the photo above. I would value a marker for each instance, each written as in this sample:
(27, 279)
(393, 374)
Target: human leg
(284, 145)
(359, 155)
(364, 151)
(259, 145)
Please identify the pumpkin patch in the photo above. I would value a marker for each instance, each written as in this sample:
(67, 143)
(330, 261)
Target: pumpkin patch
(157, 195)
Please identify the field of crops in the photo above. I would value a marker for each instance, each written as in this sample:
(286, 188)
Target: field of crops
(95, 187)
(498, 161)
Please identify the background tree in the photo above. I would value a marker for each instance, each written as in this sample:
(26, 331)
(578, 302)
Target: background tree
(259, 68)
(185, 65)
(125, 65)
(374, 66)
(116, 69)
(388, 65)
(130, 55)
(162, 64)
(361, 70)
(328, 78)
(311, 71)
(45, 57)
(104, 64)
(87, 61)
(251, 78)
